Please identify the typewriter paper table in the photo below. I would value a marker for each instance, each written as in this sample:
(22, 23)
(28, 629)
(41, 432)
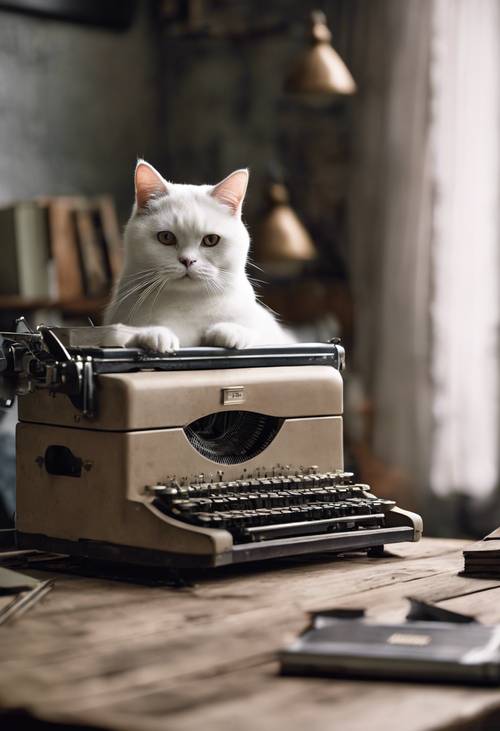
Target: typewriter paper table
(114, 655)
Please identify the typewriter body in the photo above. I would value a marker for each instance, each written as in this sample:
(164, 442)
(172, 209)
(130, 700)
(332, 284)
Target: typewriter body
(205, 457)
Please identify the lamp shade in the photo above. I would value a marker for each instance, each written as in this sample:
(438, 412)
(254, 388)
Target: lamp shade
(281, 236)
(320, 70)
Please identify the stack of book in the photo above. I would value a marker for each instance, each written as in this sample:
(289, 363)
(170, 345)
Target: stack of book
(59, 249)
(483, 558)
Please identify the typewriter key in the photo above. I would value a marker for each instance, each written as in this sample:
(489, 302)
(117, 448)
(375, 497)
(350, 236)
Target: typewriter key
(204, 519)
(245, 503)
(184, 506)
(169, 493)
(252, 517)
(203, 503)
(156, 490)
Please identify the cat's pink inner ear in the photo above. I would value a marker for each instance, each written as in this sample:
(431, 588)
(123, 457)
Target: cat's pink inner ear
(148, 184)
(231, 191)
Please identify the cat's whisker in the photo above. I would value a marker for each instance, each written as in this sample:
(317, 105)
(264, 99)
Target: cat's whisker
(212, 286)
(122, 296)
(139, 272)
(254, 280)
(216, 286)
(160, 289)
(207, 283)
(142, 282)
(136, 276)
(143, 297)
(206, 286)
(251, 264)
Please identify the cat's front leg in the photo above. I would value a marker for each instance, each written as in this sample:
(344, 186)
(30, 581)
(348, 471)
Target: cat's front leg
(230, 335)
(157, 338)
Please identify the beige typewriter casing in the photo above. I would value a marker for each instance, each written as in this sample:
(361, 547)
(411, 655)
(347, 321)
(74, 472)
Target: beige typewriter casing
(137, 440)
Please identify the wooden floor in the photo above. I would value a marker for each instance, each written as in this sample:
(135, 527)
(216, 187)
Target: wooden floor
(123, 656)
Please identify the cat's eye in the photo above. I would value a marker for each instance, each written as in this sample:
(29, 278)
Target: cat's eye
(166, 237)
(210, 240)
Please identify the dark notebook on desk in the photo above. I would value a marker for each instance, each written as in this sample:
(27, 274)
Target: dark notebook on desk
(425, 651)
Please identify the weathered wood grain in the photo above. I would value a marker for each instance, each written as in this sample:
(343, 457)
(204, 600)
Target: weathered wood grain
(133, 657)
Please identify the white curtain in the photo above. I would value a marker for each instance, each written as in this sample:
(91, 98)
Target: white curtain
(390, 225)
(465, 134)
(424, 236)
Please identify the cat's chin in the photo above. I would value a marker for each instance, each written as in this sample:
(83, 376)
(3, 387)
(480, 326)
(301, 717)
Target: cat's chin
(186, 281)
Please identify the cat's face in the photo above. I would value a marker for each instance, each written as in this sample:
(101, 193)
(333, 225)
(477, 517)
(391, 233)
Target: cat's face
(192, 236)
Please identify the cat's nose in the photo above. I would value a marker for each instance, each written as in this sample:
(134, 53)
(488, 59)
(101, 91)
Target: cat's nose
(186, 261)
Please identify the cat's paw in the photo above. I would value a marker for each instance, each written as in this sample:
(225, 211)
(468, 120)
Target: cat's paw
(158, 339)
(230, 335)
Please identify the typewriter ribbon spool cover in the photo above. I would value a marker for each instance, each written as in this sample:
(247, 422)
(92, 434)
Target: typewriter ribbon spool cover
(201, 458)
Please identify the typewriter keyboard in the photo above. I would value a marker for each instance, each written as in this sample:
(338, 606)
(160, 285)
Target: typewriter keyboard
(264, 508)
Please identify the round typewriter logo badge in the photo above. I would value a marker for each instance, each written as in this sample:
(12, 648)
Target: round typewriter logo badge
(233, 395)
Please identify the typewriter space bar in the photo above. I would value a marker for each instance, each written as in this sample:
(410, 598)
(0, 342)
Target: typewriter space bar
(282, 530)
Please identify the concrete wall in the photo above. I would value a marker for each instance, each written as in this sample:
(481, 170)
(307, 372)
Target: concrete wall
(77, 105)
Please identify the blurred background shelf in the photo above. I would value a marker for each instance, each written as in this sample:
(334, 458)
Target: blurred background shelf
(82, 306)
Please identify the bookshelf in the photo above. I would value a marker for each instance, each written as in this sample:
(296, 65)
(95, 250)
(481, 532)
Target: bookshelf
(77, 306)
(61, 254)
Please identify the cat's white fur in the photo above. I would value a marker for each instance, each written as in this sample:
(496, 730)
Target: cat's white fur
(172, 304)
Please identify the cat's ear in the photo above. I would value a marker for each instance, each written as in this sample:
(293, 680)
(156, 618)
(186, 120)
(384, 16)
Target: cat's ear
(148, 183)
(231, 191)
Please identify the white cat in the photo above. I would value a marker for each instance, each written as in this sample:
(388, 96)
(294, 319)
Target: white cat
(184, 281)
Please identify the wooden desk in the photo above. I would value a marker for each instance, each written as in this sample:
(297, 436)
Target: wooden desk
(123, 656)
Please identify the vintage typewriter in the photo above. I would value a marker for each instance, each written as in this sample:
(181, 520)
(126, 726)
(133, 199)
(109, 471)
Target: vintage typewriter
(205, 457)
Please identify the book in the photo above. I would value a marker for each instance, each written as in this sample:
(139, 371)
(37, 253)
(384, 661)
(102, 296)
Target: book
(24, 244)
(93, 260)
(483, 557)
(106, 222)
(60, 248)
(64, 243)
(428, 651)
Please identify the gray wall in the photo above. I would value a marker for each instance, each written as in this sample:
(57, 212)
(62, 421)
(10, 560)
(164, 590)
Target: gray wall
(77, 105)
(225, 107)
